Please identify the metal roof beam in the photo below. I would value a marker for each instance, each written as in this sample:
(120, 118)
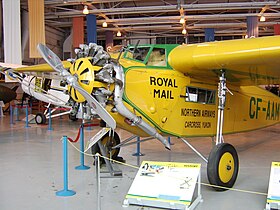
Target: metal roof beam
(169, 8)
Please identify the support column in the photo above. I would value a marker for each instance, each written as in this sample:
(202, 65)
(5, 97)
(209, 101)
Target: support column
(209, 34)
(276, 29)
(91, 29)
(252, 26)
(109, 39)
(12, 31)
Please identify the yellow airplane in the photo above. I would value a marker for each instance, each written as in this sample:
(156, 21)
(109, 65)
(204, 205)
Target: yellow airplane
(206, 89)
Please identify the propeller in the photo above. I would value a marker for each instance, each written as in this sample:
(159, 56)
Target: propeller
(54, 61)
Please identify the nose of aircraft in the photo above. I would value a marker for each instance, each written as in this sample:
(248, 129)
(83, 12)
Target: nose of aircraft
(53, 60)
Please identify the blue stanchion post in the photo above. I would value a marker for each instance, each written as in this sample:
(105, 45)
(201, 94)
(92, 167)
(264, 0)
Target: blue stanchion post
(30, 105)
(65, 191)
(26, 117)
(17, 113)
(82, 157)
(50, 120)
(11, 115)
(138, 153)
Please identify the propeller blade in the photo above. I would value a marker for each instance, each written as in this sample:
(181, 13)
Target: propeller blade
(54, 61)
(51, 58)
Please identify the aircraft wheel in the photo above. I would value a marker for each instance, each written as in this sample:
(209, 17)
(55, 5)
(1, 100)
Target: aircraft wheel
(108, 142)
(222, 167)
(40, 118)
(73, 117)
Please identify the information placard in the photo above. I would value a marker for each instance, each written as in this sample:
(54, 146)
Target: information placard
(164, 184)
(273, 195)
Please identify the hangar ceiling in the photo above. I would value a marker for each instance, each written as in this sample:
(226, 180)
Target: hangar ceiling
(146, 18)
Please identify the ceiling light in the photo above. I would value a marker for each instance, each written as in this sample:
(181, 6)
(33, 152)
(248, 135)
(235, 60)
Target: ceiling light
(85, 10)
(262, 19)
(119, 33)
(184, 31)
(182, 20)
(104, 24)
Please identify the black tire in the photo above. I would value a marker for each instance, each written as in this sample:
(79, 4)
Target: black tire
(108, 142)
(102, 123)
(73, 117)
(40, 118)
(222, 167)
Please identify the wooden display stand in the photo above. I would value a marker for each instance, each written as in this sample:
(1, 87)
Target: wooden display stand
(166, 185)
(273, 195)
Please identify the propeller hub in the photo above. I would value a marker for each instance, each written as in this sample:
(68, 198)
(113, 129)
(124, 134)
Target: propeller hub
(83, 70)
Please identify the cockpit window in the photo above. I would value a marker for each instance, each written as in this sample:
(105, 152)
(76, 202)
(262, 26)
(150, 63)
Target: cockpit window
(157, 57)
(138, 53)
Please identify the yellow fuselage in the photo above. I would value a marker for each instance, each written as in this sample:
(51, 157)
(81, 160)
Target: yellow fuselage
(159, 97)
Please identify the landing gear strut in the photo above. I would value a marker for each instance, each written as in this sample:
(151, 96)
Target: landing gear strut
(223, 164)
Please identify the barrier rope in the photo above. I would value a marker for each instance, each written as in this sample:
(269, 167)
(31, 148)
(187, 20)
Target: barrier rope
(204, 184)
(20, 106)
(79, 132)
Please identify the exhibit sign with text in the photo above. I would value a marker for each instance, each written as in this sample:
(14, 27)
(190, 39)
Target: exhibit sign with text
(164, 184)
(273, 195)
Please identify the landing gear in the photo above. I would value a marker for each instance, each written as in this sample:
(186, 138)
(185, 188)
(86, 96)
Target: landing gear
(108, 142)
(40, 118)
(72, 117)
(222, 167)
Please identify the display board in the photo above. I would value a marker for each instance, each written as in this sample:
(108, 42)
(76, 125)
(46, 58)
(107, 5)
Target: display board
(165, 184)
(273, 195)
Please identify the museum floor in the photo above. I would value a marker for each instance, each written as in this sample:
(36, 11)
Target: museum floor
(32, 170)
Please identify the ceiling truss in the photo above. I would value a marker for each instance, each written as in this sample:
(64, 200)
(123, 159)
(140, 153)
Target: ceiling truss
(161, 17)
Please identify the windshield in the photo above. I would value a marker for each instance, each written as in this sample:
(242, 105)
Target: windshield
(139, 53)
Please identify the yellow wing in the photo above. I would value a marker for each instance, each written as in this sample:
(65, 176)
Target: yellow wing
(42, 70)
(251, 61)
(41, 67)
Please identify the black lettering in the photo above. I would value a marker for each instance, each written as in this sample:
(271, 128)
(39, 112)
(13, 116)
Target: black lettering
(272, 112)
(207, 113)
(268, 111)
(165, 81)
(163, 95)
(277, 105)
(206, 124)
(170, 83)
(192, 124)
(259, 100)
(190, 112)
(156, 92)
(152, 81)
(251, 112)
(170, 94)
(159, 81)
(175, 83)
